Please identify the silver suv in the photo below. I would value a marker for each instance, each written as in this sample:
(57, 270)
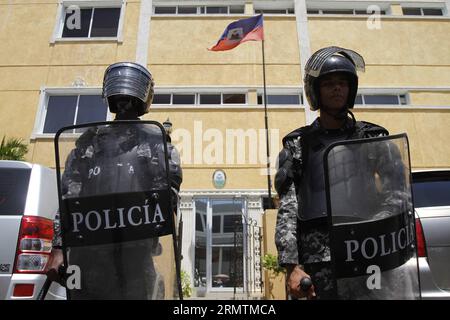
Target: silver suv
(431, 191)
(28, 204)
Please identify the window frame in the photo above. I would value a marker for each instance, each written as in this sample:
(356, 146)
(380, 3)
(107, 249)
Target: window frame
(383, 12)
(399, 93)
(201, 9)
(356, 7)
(280, 91)
(421, 8)
(197, 92)
(259, 10)
(45, 95)
(60, 18)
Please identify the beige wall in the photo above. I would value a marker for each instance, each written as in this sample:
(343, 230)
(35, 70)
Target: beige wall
(433, 98)
(29, 61)
(403, 53)
(180, 57)
(427, 132)
(412, 52)
(239, 176)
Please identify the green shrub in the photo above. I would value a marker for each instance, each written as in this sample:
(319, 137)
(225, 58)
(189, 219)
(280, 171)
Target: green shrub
(13, 149)
(270, 263)
(186, 284)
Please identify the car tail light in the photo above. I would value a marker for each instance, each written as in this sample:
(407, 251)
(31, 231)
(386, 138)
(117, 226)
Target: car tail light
(23, 290)
(421, 248)
(34, 245)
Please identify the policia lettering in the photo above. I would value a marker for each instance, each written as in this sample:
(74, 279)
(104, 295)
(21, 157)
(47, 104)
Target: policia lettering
(383, 245)
(94, 220)
(123, 217)
(386, 243)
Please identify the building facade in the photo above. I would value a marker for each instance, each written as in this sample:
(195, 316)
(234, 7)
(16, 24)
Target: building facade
(53, 55)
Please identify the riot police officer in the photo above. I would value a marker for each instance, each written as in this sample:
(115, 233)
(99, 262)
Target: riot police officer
(117, 156)
(331, 84)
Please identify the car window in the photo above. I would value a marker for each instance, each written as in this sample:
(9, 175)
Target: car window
(13, 190)
(431, 193)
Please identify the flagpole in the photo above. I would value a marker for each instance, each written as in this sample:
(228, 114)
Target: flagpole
(269, 184)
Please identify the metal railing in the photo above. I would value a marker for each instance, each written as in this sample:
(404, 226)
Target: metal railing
(247, 258)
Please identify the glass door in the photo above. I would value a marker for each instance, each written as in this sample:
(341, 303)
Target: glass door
(219, 243)
(226, 261)
(201, 209)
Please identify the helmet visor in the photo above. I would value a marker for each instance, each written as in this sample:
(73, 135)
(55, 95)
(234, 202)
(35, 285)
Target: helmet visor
(317, 60)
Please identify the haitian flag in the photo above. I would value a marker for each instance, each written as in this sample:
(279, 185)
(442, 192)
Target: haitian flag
(250, 29)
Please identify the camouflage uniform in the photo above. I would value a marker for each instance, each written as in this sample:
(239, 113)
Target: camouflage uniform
(307, 242)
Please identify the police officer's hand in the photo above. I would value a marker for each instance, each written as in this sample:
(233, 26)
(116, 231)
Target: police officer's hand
(55, 266)
(56, 259)
(294, 275)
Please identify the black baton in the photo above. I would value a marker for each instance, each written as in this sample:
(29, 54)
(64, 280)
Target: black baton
(305, 284)
(52, 276)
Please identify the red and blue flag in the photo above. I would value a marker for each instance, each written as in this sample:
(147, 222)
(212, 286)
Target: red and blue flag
(250, 29)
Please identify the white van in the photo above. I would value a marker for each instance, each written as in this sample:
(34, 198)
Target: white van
(28, 204)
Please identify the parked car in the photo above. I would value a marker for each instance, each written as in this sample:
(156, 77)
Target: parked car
(28, 204)
(431, 192)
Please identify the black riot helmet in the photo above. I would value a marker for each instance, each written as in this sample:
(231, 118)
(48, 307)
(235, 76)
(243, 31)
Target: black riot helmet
(130, 81)
(332, 60)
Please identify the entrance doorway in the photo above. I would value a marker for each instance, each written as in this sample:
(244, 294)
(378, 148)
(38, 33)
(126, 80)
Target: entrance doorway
(218, 256)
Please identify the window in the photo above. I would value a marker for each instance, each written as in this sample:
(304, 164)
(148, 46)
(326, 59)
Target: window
(13, 190)
(183, 99)
(199, 9)
(431, 188)
(381, 99)
(217, 224)
(165, 10)
(236, 9)
(66, 110)
(187, 10)
(215, 10)
(162, 99)
(432, 12)
(407, 11)
(231, 223)
(210, 99)
(90, 22)
(207, 98)
(200, 222)
(411, 11)
(286, 99)
(233, 98)
(275, 11)
(344, 11)
(431, 193)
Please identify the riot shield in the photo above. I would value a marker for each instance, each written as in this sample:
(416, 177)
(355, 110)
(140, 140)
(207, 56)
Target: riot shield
(116, 216)
(371, 219)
